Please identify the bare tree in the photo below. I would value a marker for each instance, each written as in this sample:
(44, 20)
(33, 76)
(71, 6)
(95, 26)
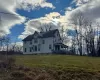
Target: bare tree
(73, 46)
(98, 40)
(78, 20)
(18, 48)
(84, 31)
(7, 43)
(2, 39)
(89, 38)
(45, 27)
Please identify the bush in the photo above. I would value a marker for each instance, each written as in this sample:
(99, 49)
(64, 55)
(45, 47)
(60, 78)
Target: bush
(28, 78)
(44, 76)
(2, 65)
(27, 69)
(20, 67)
(18, 74)
(32, 74)
(7, 63)
(11, 62)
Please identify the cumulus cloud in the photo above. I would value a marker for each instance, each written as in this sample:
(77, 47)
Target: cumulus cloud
(90, 9)
(80, 2)
(54, 19)
(8, 15)
(33, 4)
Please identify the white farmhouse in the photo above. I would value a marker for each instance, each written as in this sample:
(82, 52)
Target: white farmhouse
(43, 42)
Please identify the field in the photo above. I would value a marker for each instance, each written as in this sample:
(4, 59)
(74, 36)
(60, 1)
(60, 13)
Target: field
(53, 67)
(59, 61)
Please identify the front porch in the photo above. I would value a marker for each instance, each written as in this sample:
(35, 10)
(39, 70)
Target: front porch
(60, 46)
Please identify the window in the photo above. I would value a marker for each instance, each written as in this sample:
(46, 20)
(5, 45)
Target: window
(35, 40)
(35, 48)
(39, 47)
(43, 41)
(50, 47)
(25, 50)
(30, 49)
(30, 42)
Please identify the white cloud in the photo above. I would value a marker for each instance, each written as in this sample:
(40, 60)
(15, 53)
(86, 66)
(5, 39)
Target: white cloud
(9, 17)
(69, 9)
(90, 8)
(33, 4)
(55, 19)
(12, 17)
(80, 2)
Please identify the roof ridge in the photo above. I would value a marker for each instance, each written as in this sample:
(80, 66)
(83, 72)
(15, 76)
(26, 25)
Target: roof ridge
(47, 34)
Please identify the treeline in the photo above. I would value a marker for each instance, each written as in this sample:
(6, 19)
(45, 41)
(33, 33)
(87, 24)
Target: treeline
(9, 48)
(87, 35)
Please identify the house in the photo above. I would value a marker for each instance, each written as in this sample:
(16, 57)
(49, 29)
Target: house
(43, 42)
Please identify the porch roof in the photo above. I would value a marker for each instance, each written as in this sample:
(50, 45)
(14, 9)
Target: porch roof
(61, 44)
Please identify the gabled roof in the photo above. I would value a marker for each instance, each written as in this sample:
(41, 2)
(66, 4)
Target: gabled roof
(47, 34)
(30, 37)
(50, 33)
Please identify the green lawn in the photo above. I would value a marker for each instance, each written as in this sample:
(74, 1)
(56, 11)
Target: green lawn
(59, 61)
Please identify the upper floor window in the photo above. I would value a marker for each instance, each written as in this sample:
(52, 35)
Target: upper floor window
(50, 47)
(30, 42)
(35, 40)
(43, 41)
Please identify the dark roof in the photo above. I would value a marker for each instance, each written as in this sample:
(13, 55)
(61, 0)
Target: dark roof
(50, 33)
(47, 34)
(30, 37)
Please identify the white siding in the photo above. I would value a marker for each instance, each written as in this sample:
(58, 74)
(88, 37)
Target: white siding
(44, 48)
(27, 46)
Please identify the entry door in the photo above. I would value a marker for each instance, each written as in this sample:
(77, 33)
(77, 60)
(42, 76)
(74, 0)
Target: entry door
(57, 47)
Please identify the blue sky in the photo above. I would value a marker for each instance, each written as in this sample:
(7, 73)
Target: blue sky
(18, 27)
(60, 5)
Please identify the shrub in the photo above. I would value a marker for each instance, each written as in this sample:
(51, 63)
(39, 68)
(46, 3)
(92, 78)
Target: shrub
(44, 76)
(28, 78)
(18, 74)
(27, 69)
(20, 67)
(11, 62)
(32, 74)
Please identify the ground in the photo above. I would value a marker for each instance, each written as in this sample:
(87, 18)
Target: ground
(53, 67)
(59, 61)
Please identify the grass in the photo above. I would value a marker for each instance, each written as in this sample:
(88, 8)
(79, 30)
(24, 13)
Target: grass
(53, 67)
(59, 61)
